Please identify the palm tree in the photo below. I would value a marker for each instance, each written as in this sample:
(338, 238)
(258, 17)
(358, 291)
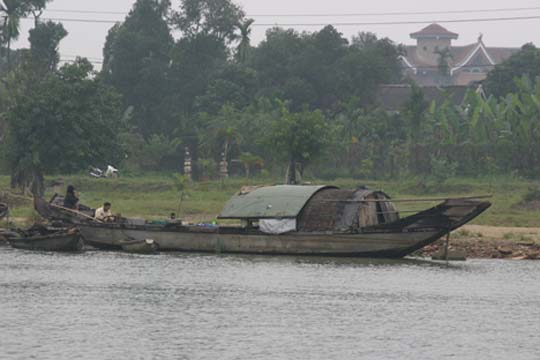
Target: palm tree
(249, 160)
(244, 46)
(224, 129)
(443, 63)
(12, 11)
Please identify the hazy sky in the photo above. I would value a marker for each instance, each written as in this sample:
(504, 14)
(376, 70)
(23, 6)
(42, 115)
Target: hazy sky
(86, 39)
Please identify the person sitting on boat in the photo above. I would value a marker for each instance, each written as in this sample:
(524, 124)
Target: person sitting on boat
(104, 213)
(71, 201)
(173, 219)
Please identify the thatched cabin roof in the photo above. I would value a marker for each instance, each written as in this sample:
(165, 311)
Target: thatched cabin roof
(315, 208)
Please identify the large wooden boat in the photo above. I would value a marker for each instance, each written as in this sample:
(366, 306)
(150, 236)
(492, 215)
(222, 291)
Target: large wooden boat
(301, 220)
(63, 240)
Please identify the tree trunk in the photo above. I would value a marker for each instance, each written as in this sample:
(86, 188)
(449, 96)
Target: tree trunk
(225, 160)
(8, 55)
(38, 184)
(291, 174)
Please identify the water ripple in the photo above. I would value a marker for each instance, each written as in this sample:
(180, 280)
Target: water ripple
(117, 306)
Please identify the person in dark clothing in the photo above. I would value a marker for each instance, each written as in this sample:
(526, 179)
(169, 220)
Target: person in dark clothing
(71, 201)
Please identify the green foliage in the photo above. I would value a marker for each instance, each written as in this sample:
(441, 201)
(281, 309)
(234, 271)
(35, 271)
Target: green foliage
(13, 11)
(444, 56)
(502, 80)
(196, 62)
(180, 182)
(442, 170)
(322, 69)
(297, 137)
(44, 41)
(532, 194)
(51, 130)
(250, 161)
(233, 85)
(303, 98)
(208, 168)
(217, 18)
(147, 155)
(301, 136)
(244, 47)
(136, 61)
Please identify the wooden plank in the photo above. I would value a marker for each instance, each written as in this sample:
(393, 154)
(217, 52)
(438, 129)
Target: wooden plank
(77, 213)
(415, 200)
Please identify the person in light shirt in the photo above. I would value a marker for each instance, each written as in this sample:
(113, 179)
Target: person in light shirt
(104, 213)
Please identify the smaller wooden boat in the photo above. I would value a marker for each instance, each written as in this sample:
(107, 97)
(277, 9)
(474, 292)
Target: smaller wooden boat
(54, 210)
(4, 210)
(61, 240)
(5, 235)
(147, 246)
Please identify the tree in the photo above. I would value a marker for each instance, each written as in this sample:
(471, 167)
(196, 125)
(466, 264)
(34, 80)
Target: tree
(13, 11)
(136, 62)
(297, 137)
(249, 161)
(232, 84)
(216, 18)
(369, 63)
(502, 80)
(44, 40)
(244, 47)
(321, 69)
(63, 123)
(108, 50)
(443, 64)
(318, 70)
(4, 97)
(201, 76)
(415, 114)
(219, 133)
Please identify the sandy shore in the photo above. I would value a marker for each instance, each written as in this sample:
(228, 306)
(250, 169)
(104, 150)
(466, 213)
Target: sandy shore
(493, 242)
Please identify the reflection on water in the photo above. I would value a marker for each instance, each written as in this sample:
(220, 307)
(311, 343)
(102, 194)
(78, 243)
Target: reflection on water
(187, 306)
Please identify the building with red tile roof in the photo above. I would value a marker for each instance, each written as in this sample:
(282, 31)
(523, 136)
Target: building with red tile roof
(434, 61)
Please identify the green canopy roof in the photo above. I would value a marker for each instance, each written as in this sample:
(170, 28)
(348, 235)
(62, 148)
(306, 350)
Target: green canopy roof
(282, 201)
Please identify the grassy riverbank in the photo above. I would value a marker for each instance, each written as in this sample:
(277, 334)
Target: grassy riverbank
(155, 196)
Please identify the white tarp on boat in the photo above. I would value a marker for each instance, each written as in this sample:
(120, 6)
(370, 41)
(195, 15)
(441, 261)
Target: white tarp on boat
(277, 226)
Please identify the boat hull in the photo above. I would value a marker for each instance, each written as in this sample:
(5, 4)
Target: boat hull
(358, 245)
(376, 244)
(60, 243)
(146, 246)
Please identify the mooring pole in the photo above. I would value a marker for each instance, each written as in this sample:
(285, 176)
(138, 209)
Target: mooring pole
(446, 246)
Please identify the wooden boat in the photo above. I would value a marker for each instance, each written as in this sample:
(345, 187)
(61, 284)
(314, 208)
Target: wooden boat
(4, 210)
(302, 220)
(59, 240)
(147, 246)
(54, 210)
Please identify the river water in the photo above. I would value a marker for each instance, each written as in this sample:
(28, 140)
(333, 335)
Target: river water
(100, 305)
